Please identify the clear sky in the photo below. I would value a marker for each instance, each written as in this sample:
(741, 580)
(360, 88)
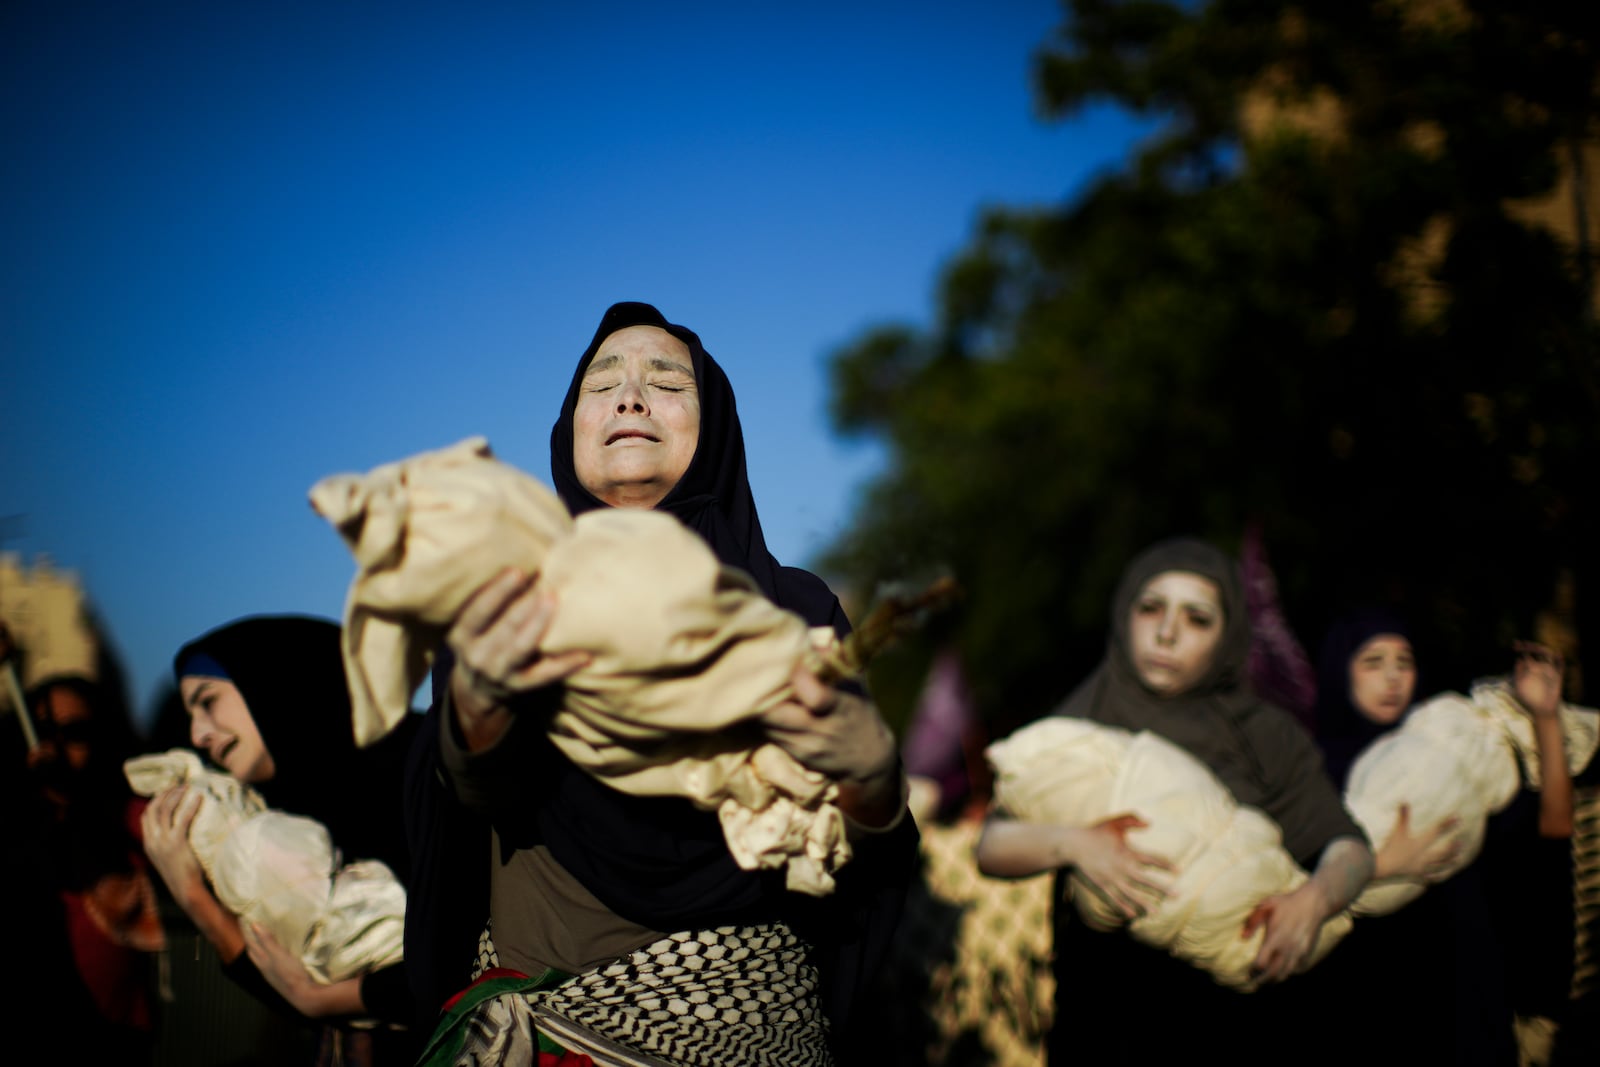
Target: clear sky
(246, 245)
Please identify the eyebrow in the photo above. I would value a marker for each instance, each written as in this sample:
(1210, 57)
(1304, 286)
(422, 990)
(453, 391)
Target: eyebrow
(603, 363)
(199, 691)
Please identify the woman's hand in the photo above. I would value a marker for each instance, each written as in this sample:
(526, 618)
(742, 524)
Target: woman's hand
(1536, 679)
(1125, 878)
(495, 638)
(165, 826)
(840, 735)
(1292, 922)
(1536, 683)
(288, 975)
(1424, 856)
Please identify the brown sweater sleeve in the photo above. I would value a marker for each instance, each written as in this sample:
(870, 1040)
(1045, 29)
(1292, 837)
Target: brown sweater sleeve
(1300, 797)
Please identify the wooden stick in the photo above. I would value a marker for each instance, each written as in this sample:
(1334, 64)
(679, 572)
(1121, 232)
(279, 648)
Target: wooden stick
(15, 686)
(893, 616)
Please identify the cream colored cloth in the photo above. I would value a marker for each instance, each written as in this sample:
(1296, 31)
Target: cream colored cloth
(1228, 857)
(283, 872)
(1454, 756)
(684, 651)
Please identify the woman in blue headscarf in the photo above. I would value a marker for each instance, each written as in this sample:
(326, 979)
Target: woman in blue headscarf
(268, 703)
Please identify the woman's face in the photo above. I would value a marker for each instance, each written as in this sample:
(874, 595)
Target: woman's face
(221, 725)
(637, 420)
(65, 724)
(1174, 629)
(64, 721)
(1383, 676)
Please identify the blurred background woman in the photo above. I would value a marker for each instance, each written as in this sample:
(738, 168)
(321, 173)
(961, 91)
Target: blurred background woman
(1175, 665)
(268, 704)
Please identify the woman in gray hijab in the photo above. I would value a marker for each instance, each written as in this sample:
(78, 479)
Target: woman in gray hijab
(1175, 665)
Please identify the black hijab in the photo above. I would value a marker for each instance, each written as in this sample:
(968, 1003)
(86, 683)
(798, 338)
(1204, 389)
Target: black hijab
(290, 671)
(662, 863)
(713, 497)
(1341, 730)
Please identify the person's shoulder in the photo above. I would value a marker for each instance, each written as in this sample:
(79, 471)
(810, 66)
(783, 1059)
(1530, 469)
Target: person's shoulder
(808, 596)
(798, 578)
(1264, 718)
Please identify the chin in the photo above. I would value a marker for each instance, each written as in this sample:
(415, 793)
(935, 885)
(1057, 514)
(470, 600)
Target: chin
(1161, 687)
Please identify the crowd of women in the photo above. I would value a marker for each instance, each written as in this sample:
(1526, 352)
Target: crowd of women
(553, 919)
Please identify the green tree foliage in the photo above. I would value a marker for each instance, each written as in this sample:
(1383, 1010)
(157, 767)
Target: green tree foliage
(1326, 320)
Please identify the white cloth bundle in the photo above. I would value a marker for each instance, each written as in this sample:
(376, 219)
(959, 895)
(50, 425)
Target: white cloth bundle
(1458, 756)
(282, 871)
(1229, 857)
(684, 650)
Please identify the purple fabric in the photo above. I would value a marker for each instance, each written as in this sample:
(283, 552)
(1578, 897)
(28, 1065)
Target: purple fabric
(937, 741)
(1278, 667)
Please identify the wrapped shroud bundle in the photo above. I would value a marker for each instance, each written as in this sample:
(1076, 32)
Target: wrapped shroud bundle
(1229, 857)
(686, 652)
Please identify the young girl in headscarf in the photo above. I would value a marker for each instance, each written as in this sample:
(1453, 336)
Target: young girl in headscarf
(1175, 665)
(1442, 978)
(596, 898)
(268, 704)
(1393, 982)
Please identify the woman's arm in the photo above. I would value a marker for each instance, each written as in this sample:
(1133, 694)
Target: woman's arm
(1128, 880)
(1536, 683)
(1293, 919)
(285, 973)
(165, 828)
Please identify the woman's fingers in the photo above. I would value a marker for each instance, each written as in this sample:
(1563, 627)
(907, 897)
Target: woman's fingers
(498, 634)
(487, 604)
(547, 670)
(811, 692)
(188, 808)
(1151, 860)
(844, 738)
(159, 814)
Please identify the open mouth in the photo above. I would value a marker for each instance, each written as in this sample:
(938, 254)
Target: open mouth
(625, 435)
(219, 756)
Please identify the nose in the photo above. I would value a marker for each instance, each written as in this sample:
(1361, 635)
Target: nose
(630, 398)
(1167, 632)
(200, 730)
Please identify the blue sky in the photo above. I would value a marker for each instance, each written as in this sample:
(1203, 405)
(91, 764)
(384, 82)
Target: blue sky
(247, 245)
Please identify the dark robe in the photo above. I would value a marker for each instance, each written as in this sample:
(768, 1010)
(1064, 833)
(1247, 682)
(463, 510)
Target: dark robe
(1120, 1001)
(1422, 984)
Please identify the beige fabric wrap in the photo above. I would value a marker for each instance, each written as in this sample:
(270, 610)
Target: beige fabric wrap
(1229, 857)
(1454, 755)
(685, 650)
(282, 871)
